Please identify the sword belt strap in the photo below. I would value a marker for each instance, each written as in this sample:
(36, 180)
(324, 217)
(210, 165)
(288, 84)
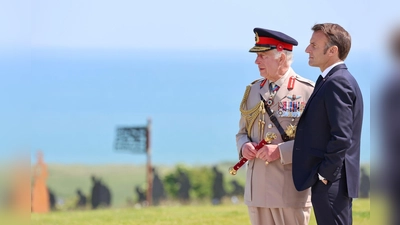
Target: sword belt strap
(274, 120)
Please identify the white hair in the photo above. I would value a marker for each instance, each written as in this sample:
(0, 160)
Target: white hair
(289, 55)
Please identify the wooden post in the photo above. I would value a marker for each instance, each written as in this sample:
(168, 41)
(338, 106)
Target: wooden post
(148, 165)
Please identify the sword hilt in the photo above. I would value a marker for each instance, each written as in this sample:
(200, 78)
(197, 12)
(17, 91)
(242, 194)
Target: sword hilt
(232, 171)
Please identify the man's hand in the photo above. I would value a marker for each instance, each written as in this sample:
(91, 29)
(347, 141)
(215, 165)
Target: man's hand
(248, 150)
(321, 178)
(268, 153)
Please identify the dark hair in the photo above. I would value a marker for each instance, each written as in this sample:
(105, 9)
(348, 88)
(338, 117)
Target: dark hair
(337, 36)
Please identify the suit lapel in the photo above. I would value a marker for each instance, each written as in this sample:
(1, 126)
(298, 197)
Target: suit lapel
(318, 87)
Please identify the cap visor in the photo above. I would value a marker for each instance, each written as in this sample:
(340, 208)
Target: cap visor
(259, 49)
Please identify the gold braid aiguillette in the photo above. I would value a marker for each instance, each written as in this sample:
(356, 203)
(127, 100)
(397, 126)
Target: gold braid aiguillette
(252, 114)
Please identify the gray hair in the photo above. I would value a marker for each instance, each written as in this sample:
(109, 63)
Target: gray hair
(289, 55)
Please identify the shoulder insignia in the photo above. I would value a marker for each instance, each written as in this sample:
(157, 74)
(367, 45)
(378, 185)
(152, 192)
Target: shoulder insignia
(304, 80)
(258, 80)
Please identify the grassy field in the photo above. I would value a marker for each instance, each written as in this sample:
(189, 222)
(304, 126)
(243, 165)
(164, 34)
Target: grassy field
(64, 180)
(173, 215)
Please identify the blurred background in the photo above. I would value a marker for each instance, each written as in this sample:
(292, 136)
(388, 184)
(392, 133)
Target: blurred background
(72, 72)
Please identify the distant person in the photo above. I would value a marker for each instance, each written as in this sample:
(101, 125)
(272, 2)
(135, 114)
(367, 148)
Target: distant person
(326, 155)
(217, 187)
(40, 193)
(364, 184)
(184, 187)
(158, 189)
(52, 199)
(101, 195)
(141, 196)
(238, 190)
(81, 203)
(105, 195)
(96, 192)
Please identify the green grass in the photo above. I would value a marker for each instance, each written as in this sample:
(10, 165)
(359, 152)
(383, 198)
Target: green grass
(190, 215)
(121, 179)
(170, 215)
(63, 180)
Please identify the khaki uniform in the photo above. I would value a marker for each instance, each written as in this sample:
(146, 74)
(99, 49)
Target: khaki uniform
(271, 186)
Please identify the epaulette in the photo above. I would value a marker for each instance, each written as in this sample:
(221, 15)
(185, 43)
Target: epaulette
(261, 79)
(304, 80)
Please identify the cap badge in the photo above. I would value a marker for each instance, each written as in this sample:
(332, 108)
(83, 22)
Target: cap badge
(257, 38)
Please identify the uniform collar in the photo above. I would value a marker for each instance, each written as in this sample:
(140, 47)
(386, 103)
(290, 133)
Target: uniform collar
(282, 80)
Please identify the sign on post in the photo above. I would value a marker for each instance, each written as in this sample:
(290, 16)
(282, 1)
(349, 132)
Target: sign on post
(132, 139)
(137, 140)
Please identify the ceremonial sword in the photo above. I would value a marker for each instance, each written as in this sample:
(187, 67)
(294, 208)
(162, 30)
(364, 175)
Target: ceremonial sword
(267, 140)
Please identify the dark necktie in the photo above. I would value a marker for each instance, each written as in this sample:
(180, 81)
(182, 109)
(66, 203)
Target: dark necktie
(319, 80)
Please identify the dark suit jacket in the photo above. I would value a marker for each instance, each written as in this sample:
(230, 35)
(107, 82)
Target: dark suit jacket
(329, 132)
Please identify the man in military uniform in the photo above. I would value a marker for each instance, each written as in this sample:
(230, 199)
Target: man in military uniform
(272, 106)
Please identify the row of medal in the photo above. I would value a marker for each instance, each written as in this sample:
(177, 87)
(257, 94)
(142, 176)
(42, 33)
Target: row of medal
(290, 108)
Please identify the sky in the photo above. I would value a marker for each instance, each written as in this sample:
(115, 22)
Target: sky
(173, 24)
(30, 26)
(223, 24)
(183, 24)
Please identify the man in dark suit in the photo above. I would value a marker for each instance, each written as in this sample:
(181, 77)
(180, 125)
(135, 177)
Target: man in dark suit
(326, 152)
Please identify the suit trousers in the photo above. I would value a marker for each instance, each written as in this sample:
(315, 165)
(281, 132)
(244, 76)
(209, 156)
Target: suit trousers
(331, 203)
(279, 216)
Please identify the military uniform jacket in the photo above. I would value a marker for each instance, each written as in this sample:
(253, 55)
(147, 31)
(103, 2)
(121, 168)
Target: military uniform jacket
(272, 185)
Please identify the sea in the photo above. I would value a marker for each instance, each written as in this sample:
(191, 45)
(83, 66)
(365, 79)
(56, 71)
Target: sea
(69, 103)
